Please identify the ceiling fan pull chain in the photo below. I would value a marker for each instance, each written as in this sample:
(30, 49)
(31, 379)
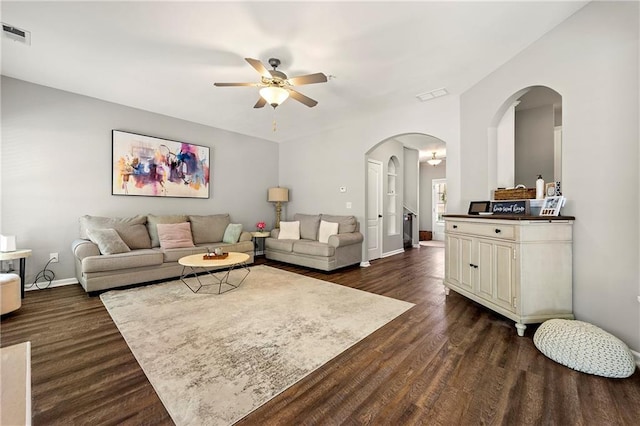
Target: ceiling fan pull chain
(275, 126)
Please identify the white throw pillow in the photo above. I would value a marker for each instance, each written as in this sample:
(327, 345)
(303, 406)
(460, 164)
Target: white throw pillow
(289, 230)
(326, 230)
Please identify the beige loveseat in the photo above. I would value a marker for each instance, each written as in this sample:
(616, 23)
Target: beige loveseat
(147, 260)
(341, 249)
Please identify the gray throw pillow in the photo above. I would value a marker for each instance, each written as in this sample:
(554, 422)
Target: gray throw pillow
(210, 228)
(108, 241)
(309, 225)
(345, 223)
(232, 233)
(132, 230)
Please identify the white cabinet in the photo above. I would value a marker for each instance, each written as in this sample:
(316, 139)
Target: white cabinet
(520, 268)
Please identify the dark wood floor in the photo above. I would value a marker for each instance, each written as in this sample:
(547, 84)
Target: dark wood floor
(446, 361)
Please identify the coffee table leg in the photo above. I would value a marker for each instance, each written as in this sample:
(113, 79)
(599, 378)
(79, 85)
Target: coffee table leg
(184, 276)
(224, 279)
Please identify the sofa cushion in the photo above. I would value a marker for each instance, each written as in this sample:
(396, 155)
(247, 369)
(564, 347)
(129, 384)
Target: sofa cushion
(289, 231)
(326, 230)
(114, 262)
(108, 241)
(174, 254)
(210, 228)
(153, 221)
(345, 223)
(175, 235)
(280, 245)
(232, 233)
(313, 248)
(132, 230)
(309, 225)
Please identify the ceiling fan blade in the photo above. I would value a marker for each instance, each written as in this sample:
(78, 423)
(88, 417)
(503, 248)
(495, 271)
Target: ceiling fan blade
(261, 102)
(308, 79)
(235, 84)
(255, 63)
(302, 98)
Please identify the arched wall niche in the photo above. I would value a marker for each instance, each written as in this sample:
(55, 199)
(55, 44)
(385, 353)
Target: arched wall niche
(525, 139)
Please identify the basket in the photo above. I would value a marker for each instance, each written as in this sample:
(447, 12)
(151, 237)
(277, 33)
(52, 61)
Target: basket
(515, 194)
(211, 256)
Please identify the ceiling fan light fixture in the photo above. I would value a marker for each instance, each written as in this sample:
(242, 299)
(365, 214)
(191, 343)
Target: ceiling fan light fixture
(274, 95)
(434, 161)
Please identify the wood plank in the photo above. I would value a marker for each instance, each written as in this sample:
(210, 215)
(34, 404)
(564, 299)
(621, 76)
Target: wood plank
(446, 361)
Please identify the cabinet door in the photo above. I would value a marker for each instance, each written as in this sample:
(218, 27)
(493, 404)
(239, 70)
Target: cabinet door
(505, 278)
(495, 272)
(485, 270)
(452, 259)
(467, 262)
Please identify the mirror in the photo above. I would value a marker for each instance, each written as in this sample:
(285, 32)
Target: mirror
(529, 138)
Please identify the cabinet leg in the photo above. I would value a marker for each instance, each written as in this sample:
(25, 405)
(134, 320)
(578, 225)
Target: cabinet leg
(520, 328)
(446, 291)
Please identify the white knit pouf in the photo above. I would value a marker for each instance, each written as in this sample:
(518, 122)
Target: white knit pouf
(584, 347)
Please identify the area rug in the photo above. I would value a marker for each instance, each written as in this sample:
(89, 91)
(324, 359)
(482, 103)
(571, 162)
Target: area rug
(213, 359)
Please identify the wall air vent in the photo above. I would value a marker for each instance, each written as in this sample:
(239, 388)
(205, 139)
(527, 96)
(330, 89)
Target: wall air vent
(16, 34)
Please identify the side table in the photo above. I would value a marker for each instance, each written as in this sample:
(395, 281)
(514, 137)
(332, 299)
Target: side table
(18, 254)
(258, 238)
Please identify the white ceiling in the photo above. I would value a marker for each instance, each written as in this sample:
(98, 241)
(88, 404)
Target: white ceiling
(165, 56)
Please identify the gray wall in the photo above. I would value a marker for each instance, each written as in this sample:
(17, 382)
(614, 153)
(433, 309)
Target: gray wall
(56, 166)
(427, 174)
(534, 145)
(591, 59)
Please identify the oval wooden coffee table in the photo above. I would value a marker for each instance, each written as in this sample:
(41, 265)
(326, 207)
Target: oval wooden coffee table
(197, 265)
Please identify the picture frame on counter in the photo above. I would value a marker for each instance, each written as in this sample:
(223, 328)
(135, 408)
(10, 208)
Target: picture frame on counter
(550, 189)
(552, 205)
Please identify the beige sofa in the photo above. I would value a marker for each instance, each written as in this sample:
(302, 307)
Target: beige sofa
(341, 249)
(146, 261)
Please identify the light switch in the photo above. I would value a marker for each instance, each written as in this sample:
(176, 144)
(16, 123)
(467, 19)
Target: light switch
(348, 204)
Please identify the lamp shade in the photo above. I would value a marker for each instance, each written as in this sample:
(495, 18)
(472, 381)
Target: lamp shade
(278, 194)
(274, 95)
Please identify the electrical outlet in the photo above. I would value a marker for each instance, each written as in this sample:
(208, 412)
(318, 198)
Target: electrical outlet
(53, 257)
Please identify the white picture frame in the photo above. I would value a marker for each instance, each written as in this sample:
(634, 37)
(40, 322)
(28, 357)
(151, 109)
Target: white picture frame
(552, 206)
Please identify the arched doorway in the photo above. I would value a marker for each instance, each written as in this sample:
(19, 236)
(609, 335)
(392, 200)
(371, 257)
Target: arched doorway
(398, 189)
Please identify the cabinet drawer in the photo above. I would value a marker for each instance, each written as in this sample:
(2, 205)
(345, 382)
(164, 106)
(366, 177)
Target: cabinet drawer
(493, 230)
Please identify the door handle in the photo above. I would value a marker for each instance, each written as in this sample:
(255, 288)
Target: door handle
(455, 226)
(498, 231)
(380, 216)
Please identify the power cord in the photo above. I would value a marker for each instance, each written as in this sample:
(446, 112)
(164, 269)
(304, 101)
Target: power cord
(46, 275)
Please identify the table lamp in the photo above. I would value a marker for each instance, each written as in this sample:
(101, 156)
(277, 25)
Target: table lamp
(278, 195)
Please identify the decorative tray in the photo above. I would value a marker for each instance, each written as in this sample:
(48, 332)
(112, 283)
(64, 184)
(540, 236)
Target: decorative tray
(213, 256)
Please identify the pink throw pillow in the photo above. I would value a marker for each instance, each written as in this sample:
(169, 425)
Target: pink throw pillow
(175, 235)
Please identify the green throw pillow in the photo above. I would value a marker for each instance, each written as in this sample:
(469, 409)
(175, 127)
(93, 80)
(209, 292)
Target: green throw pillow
(232, 233)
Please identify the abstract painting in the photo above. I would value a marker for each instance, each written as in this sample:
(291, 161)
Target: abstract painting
(149, 166)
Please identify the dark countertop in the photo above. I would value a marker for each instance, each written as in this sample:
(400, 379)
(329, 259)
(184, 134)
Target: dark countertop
(509, 217)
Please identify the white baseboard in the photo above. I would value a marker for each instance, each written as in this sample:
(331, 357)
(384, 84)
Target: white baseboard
(45, 284)
(365, 264)
(393, 253)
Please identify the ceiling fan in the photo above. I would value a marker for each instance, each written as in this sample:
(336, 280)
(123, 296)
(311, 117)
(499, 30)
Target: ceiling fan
(276, 87)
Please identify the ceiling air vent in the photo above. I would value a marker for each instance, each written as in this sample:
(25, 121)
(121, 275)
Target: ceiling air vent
(16, 34)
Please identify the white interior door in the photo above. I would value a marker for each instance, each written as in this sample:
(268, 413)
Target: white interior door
(439, 205)
(374, 209)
